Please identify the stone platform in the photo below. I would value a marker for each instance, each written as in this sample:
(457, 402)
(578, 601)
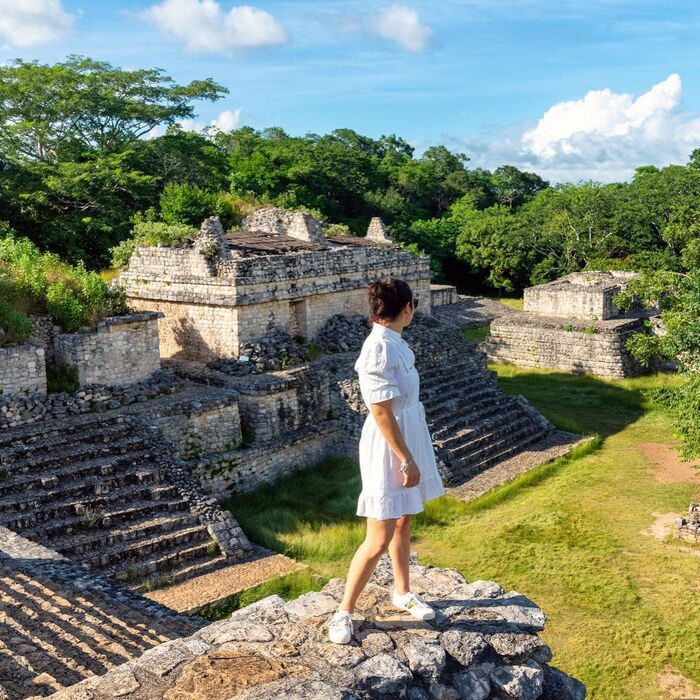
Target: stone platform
(571, 345)
(220, 586)
(482, 644)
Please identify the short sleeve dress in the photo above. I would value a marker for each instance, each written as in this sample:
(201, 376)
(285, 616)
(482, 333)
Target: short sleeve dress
(386, 370)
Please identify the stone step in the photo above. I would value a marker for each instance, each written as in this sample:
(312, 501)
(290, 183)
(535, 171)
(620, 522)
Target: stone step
(461, 400)
(46, 507)
(92, 434)
(162, 564)
(101, 537)
(498, 452)
(60, 429)
(76, 452)
(101, 467)
(433, 373)
(453, 418)
(478, 425)
(116, 515)
(127, 552)
(461, 382)
(84, 489)
(489, 435)
(188, 570)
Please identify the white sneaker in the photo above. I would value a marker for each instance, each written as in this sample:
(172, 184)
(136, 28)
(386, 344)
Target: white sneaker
(340, 629)
(413, 604)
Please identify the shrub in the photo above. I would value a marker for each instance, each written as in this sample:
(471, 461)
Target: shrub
(337, 230)
(16, 325)
(187, 204)
(43, 283)
(150, 233)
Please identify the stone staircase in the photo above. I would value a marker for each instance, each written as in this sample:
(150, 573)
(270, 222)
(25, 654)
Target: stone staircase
(96, 489)
(471, 312)
(474, 425)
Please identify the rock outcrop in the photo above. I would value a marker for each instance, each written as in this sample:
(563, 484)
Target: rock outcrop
(482, 644)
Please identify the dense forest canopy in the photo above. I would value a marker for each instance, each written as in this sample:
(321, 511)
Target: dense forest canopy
(87, 151)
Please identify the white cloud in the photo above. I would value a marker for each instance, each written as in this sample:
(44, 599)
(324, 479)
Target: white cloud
(204, 27)
(228, 119)
(604, 136)
(26, 23)
(225, 121)
(402, 25)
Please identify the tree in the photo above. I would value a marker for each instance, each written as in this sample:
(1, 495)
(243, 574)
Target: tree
(75, 166)
(513, 187)
(677, 295)
(81, 107)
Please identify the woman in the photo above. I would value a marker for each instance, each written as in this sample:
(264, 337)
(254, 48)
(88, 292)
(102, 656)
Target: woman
(397, 461)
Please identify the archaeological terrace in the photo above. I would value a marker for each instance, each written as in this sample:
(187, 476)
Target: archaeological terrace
(209, 388)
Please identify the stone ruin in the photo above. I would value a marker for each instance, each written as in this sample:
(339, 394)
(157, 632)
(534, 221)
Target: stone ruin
(570, 324)
(279, 273)
(122, 479)
(688, 527)
(482, 644)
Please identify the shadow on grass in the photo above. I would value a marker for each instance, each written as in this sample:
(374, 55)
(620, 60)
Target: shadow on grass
(306, 504)
(581, 403)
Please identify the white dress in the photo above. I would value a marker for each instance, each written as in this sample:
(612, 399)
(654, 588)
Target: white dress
(386, 370)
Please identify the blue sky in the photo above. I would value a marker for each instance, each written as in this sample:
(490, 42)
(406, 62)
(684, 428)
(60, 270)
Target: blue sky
(573, 90)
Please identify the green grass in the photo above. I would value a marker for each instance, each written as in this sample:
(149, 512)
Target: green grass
(514, 302)
(622, 606)
(476, 335)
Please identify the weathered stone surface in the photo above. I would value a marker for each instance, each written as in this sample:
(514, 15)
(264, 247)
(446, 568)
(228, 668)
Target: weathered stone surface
(383, 674)
(425, 658)
(523, 681)
(559, 686)
(277, 649)
(474, 684)
(311, 605)
(688, 527)
(464, 646)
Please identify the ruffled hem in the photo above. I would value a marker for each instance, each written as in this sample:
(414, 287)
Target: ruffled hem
(408, 502)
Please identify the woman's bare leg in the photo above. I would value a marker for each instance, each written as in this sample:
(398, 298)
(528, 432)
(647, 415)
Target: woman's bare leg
(379, 535)
(400, 550)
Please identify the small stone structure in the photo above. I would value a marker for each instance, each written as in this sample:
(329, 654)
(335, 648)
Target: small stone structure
(279, 272)
(571, 324)
(441, 294)
(123, 350)
(580, 295)
(22, 369)
(688, 527)
(482, 644)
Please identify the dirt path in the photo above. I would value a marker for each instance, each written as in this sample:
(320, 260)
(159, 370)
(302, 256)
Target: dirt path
(668, 467)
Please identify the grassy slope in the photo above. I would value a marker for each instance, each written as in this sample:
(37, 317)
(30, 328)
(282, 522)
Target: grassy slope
(621, 605)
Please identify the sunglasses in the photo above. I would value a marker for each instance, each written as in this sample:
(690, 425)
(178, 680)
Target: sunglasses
(415, 302)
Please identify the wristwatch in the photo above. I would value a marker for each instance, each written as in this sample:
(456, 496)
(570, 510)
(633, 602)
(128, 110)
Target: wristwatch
(405, 466)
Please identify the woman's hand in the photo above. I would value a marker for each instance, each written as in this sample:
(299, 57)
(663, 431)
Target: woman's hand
(411, 476)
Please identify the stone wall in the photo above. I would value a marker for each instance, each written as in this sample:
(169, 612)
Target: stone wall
(45, 332)
(441, 294)
(123, 350)
(533, 341)
(201, 430)
(22, 369)
(249, 468)
(212, 311)
(275, 405)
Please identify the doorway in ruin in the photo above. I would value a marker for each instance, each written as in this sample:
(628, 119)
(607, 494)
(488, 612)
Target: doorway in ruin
(297, 318)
